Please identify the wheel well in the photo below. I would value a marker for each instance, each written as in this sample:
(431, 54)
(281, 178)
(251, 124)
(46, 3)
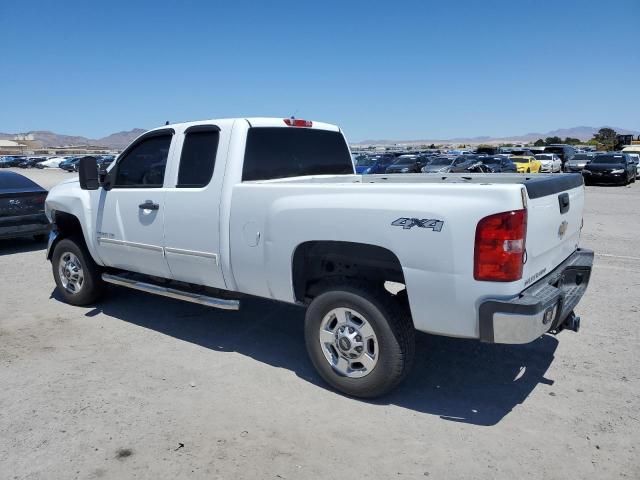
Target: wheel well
(314, 262)
(67, 225)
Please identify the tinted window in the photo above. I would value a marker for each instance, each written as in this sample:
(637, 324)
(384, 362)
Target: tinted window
(11, 181)
(491, 161)
(612, 159)
(144, 164)
(274, 152)
(198, 157)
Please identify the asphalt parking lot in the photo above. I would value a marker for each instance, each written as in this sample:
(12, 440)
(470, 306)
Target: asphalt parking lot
(147, 387)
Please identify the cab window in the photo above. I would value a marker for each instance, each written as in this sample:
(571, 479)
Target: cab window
(143, 165)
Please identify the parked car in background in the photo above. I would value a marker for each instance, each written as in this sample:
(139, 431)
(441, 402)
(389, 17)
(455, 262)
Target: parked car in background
(463, 163)
(363, 163)
(578, 162)
(52, 162)
(378, 163)
(635, 157)
(565, 152)
(549, 162)
(525, 162)
(615, 168)
(31, 162)
(22, 207)
(10, 161)
(407, 164)
(499, 164)
(104, 162)
(70, 165)
(439, 164)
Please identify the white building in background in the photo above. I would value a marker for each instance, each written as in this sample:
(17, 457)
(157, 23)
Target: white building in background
(11, 147)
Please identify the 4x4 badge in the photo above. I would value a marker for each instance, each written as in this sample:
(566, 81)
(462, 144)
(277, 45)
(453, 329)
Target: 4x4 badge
(407, 223)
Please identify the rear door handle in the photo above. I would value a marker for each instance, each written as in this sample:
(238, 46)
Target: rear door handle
(149, 205)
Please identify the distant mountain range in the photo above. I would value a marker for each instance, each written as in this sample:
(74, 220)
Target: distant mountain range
(583, 133)
(44, 138)
(119, 140)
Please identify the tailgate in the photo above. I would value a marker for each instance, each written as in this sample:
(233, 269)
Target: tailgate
(554, 222)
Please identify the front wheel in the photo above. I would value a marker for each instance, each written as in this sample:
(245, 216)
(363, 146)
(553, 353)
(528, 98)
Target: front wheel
(359, 338)
(77, 276)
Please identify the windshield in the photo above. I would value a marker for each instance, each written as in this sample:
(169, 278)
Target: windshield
(582, 156)
(491, 161)
(609, 159)
(405, 161)
(440, 161)
(520, 159)
(365, 161)
(544, 157)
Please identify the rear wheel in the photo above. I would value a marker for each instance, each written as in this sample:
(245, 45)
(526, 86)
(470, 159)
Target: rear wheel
(359, 338)
(77, 276)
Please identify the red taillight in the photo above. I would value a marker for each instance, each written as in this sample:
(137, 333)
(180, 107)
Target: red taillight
(499, 249)
(296, 122)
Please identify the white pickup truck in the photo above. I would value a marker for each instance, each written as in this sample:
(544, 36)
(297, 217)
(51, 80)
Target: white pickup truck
(215, 210)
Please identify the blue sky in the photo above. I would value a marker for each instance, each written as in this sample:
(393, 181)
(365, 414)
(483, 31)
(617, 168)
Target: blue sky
(401, 69)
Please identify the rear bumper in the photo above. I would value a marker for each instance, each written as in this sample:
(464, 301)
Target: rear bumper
(543, 307)
(24, 226)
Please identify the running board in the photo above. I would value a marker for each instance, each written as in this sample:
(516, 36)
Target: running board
(222, 303)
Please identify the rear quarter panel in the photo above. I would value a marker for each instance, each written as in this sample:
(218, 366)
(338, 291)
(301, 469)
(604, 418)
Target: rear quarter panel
(269, 220)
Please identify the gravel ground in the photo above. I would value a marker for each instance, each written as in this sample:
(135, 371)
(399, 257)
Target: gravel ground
(147, 387)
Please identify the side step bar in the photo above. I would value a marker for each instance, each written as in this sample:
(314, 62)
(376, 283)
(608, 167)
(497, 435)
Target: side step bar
(221, 303)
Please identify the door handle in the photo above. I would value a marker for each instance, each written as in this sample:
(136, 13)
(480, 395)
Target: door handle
(148, 205)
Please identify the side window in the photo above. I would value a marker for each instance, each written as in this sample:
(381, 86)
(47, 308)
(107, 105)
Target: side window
(143, 166)
(198, 156)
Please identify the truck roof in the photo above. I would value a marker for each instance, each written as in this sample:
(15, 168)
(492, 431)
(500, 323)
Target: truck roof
(253, 121)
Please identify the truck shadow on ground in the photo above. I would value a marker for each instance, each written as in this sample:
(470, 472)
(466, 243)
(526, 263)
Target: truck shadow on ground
(458, 380)
(21, 245)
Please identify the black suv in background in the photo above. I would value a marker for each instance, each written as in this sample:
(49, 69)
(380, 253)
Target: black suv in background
(565, 152)
(616, 168)
(499, 164)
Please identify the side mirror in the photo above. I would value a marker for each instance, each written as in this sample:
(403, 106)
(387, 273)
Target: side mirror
(88, 173)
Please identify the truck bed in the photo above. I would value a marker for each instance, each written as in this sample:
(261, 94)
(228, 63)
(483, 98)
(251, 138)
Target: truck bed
(537, 185)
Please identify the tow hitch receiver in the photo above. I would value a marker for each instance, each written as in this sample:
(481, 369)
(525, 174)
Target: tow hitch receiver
(572, 322)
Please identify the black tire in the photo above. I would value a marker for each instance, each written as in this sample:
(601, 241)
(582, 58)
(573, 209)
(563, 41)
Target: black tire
(92, 286)
(391, 323)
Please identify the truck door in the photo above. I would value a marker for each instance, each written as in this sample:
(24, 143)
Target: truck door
(192, 223)
(129, 215)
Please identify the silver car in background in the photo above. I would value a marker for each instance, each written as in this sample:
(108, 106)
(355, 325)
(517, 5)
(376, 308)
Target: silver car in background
(579, 161)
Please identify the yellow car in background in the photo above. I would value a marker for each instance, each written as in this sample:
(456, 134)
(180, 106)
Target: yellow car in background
(525, 162)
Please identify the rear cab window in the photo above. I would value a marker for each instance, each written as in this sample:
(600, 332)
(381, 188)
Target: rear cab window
(198, 157)
(284, 152)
